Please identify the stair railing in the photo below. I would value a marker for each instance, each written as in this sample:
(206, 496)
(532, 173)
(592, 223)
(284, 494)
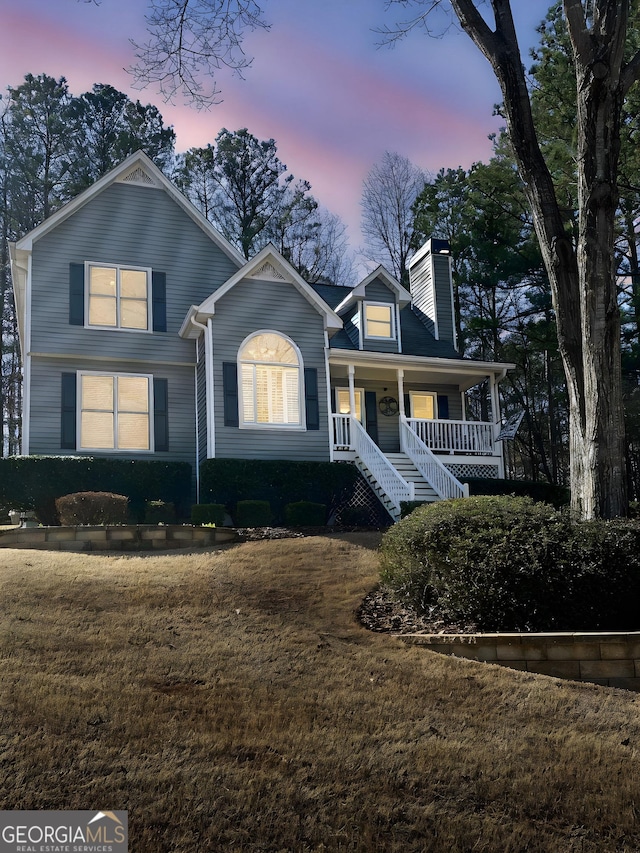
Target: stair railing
(372, 459)
(430, 467)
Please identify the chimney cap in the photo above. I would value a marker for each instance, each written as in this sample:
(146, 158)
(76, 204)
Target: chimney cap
(433, 246)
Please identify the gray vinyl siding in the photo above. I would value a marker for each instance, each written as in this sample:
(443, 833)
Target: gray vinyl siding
(201, 380)
(251, 306)
(434, 301)
(442, 269)
(46, 379)
(124, 225)
(377, 291)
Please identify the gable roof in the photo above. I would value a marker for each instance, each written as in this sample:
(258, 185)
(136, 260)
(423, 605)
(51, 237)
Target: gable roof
(138, 169)
(359, 291)
(271, 265)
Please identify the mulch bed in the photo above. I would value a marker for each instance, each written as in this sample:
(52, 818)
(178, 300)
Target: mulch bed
(381, 612)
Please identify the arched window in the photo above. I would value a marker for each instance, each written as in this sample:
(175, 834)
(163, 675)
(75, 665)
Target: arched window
(270, 381)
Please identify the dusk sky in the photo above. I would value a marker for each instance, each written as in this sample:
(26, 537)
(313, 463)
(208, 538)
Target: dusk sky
(333, 100)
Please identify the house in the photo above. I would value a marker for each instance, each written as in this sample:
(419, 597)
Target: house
(145, 334)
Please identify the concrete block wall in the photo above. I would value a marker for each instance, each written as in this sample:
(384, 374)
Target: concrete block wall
(141, 537)
(610, 659)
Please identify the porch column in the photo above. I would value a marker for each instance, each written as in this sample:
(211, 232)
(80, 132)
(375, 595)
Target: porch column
(497, 419)
(352, 392)
(400, 373)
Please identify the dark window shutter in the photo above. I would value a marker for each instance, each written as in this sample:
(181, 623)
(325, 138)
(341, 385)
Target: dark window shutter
(371, 414)
(407, 406)
(68, 412)
(230, 393)
(311, 402)
(159, 300)
(161, 414)
(76, 295)
(443, 408)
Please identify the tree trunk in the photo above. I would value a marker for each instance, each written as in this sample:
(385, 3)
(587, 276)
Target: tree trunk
(582, 278)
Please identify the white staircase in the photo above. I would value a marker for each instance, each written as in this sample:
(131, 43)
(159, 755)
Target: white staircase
(408, 471)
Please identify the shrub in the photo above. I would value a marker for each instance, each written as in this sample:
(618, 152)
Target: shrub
(549, 493)
(208, 514)
(159, 512)
(511, 564)
(305, 514)
(227, 481)
(92, 508)
(407, 507)
(356, 516)
(253, 514)
(34, 482)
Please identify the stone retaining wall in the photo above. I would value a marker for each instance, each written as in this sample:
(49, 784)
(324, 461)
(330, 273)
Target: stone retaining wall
(611, 659)
(141, 537)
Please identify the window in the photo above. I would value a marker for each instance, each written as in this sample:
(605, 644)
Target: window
(378, 320)
(342, 402)
(423, 405)
(270, 381)
(118, 297)
(114, 412)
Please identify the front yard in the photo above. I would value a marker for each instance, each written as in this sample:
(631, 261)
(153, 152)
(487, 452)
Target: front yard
(231, 702)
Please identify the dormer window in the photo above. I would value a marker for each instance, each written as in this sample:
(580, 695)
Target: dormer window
(379, 320)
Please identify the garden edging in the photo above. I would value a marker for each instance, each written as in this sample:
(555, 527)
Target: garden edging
(139, 537)
(610, 659)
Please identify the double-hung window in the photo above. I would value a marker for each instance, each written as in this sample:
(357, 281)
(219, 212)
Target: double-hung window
(270, 382)
(118, 297)
(379, 320)
(114, 411)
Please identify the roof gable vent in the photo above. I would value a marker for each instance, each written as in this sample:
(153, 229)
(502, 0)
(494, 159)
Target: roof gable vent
(269, 272)
(137, 176)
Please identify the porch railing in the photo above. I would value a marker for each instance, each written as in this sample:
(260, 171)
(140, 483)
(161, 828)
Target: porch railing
(431, 468)
(370, 458)
(455, 436)
(342, 432)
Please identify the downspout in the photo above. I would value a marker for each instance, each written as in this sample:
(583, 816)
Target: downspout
(208, 367)
(328, 387)
(26, 389)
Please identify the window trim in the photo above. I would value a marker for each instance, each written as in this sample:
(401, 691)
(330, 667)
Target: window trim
(357, 391)
(392, 321)
(79, 410)
(118, 268)
(301, 426)
(431, 394)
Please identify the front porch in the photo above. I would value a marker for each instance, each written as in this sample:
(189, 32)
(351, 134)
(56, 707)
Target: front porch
(405, 426)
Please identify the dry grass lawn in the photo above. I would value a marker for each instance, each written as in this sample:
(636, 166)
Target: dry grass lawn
(230, 701)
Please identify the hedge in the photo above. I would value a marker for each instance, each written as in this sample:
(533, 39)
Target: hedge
(538, 491)
(92, 508)
(34, 482)
(227, 481)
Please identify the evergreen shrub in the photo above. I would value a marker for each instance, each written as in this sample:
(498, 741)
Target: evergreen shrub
(208, 514)
(253, 514)
(549, 493)
(34, 482)
(159, 512)
(92, 508)
(305, 514)
(509, 564)
(227, 481)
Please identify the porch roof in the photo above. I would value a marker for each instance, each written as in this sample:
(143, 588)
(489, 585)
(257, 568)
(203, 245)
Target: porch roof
(463, 373)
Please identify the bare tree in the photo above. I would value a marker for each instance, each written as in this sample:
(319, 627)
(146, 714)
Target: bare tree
(388, 195)
(187, 36)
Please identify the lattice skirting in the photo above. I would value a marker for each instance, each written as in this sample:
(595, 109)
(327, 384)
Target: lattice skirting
(362, 508)
(490, 472)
